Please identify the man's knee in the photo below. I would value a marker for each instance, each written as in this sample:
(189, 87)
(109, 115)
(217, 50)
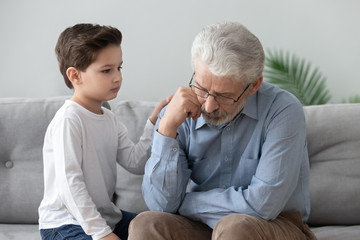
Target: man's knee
(240, 225)
(151, 225)
(142, 218)
(235, 221)
(166, 226)
(140, 226)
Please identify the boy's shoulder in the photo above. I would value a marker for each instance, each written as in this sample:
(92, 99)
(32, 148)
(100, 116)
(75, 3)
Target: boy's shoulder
(68, 109)
(73, 111)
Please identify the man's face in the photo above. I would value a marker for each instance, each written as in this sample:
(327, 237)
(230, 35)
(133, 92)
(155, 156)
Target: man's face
(213, 112)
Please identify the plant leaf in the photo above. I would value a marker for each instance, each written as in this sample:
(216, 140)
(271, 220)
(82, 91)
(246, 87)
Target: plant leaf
(296, 76)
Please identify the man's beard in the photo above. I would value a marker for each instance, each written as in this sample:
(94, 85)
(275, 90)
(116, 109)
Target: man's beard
(219, 116)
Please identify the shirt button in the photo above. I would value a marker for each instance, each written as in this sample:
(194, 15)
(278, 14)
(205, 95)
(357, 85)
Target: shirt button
(174, 149)
(226, 159)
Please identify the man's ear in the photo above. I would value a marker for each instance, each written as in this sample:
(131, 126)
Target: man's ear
(74, 75)
(256, 85)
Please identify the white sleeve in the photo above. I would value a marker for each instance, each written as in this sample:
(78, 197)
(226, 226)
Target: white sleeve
(134, 156)
(67, 140)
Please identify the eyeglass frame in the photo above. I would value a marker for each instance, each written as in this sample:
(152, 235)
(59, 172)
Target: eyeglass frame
(214, 95)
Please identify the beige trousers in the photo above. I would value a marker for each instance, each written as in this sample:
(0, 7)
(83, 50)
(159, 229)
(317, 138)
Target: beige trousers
(167, 226)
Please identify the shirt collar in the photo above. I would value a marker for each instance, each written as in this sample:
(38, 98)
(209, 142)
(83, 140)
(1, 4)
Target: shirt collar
(251, 108)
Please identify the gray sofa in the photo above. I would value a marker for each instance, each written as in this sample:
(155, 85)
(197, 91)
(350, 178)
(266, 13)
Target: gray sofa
(334, 148)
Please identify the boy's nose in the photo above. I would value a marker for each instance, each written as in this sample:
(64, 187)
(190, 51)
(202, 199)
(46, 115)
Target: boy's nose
(118, 77)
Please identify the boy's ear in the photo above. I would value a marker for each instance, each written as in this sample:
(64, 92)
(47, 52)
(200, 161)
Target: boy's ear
(256, 85)
(74, 75)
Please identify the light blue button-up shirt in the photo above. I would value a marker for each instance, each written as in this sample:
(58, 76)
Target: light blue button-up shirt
(257, 164)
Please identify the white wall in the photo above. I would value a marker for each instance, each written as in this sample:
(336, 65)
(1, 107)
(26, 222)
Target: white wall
(158, 36)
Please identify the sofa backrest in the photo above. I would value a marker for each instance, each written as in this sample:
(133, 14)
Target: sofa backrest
(333, 134)
(23, 122)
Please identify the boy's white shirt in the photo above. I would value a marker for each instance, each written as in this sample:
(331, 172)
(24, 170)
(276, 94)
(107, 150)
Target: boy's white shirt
(79, 153)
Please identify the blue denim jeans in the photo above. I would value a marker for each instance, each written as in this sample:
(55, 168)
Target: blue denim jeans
(75, 232)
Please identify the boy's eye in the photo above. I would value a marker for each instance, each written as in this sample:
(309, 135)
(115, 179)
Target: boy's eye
(110, 69)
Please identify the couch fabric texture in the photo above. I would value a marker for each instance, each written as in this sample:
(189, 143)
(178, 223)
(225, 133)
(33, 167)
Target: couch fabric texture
(333, 133)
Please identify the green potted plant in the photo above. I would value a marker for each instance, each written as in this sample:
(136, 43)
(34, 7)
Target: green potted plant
(296, 76)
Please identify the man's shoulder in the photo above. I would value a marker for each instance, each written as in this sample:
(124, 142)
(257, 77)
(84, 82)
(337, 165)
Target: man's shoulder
(277, 95)
(273, 101)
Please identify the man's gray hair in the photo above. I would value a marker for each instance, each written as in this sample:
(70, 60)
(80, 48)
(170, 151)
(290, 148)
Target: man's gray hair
(229, 49)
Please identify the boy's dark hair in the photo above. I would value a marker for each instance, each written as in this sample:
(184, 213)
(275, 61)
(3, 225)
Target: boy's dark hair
(79, 45)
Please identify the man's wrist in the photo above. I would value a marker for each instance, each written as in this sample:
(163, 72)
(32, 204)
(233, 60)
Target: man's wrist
(167, 131)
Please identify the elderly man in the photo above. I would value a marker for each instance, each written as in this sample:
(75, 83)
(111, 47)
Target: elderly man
(240, 141)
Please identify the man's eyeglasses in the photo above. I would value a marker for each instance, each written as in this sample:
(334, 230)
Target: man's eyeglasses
(203, 93)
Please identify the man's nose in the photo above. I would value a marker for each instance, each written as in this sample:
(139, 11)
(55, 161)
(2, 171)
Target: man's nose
(211, 104)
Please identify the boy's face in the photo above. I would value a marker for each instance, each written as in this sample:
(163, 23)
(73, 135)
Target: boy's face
(101, 81)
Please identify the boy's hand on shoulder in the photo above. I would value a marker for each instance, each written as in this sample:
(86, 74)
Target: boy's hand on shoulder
(111, 236)
(157, 109)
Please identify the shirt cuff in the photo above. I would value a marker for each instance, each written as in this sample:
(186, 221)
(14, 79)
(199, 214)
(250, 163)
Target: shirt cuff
(164, 146)
(104, 233)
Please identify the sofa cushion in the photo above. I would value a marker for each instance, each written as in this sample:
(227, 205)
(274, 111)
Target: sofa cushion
(19, 232)
(337, 232)
(134, 115)
(333, 133)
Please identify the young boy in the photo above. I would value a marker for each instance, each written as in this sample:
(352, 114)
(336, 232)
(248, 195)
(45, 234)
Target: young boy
(84, 141)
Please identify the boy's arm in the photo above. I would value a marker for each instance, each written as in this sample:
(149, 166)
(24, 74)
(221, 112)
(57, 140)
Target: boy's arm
(134, 156)
(111, 236)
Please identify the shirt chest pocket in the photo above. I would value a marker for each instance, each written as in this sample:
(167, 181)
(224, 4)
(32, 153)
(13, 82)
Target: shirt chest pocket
(200, 170)
(244, 172)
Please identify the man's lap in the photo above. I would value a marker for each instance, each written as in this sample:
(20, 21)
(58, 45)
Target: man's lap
(166, 226)
(160, 225)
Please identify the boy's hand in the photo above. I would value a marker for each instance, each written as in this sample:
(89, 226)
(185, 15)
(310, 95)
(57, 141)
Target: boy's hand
(153, 117)
(111, 236)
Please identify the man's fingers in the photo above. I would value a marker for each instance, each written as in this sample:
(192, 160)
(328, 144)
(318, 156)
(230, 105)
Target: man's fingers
(194, 113)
